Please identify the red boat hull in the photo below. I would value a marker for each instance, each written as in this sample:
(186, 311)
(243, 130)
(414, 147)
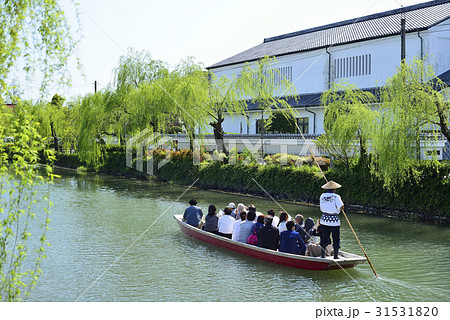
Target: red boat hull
(297, 261)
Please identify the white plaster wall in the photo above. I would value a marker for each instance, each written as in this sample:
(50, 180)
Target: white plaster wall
(310, 69)
(438, 46)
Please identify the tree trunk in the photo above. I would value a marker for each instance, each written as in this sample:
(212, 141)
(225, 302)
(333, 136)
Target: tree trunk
(55, 138)
(443, 122)
(362, 149)
(218, 133)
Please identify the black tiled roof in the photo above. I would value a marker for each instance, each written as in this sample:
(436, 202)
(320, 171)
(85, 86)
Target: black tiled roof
(445, 77)
(310, 99)
(313, 99)
(418, 17)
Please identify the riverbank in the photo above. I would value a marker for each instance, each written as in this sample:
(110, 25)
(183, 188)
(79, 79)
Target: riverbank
(424, 201)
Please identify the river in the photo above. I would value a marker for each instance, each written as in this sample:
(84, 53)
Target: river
(114, 239)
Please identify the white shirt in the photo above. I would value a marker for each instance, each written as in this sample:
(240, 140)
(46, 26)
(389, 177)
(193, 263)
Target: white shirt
(275, 221)
(330, 205)
(282, 226)
(226, 223)
(236, 227)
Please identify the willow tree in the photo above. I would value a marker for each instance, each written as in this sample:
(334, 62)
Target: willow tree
(412, 102)
(94, 124)
(36, 36)
(53, 120)
(24, 213)
(225, 96)
(348, 118)
(189, 97)
(265, 86)
(135, 69)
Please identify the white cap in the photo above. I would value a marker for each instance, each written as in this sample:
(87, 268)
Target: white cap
(231, 205)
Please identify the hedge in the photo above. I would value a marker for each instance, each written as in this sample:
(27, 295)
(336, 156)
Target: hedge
(428, 198)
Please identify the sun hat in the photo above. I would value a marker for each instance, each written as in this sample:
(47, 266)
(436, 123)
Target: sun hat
(331, 185)
(231, 205)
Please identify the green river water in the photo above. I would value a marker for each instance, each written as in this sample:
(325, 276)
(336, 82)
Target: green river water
(114, 239)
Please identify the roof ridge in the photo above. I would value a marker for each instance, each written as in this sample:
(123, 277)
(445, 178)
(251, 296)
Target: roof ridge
(360, 19)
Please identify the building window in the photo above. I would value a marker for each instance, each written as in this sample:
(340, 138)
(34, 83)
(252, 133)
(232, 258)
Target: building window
(259, 125)
(283, 73)
(353, 66)
(276, 75)
(303, 125)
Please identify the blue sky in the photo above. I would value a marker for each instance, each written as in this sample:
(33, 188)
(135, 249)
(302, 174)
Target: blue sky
(209, 30)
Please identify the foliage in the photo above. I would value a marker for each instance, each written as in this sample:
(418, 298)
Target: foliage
(20, 180)
(282, 122)
(265, 87)
(225, 96)
(93, 124)
(283, 159)
(36, 35)
(408, 107)
(346, 122)
(189, 96)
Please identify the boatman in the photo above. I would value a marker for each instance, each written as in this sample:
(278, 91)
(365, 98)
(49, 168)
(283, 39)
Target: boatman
(331, 205)
(193, 214)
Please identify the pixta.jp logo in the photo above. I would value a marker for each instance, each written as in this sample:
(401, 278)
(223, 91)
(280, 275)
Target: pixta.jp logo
(145, 143)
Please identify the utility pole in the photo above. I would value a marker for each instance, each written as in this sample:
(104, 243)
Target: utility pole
(402, 35)
(95, 86)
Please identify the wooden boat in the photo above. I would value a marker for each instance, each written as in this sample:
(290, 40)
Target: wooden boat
(346, 260)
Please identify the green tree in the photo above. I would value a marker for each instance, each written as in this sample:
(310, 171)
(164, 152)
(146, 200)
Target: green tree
(264, 86)
(20, 178)
(347, 121)
(282, 122)
(225, 96)
(189, 96)
(93, 125)
(136, 68)
(412, 102)
(37, 35)
(52, 118)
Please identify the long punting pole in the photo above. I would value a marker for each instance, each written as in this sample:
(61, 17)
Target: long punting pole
(348, 221)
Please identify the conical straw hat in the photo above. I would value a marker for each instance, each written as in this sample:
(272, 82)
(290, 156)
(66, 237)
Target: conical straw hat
(331, 185)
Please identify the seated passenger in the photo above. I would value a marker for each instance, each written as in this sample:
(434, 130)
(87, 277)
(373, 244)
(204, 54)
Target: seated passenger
(268, 235)
(290, 240)
(275, 219)
(309, 225)
(244, 229)
(193, 214)
(282, 223)
(233, 210)
(252, 207)
(298, 223)
(226, 223)
(305, 229)
(258, 224)
(314, 249)
(237, 225)
(211, 220)
(240, 208)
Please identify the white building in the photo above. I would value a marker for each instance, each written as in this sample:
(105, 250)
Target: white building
(363, 51)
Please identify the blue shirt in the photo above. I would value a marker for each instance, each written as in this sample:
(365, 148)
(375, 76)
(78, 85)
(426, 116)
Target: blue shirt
(256, 226)
(291, 242)
(193, 215)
